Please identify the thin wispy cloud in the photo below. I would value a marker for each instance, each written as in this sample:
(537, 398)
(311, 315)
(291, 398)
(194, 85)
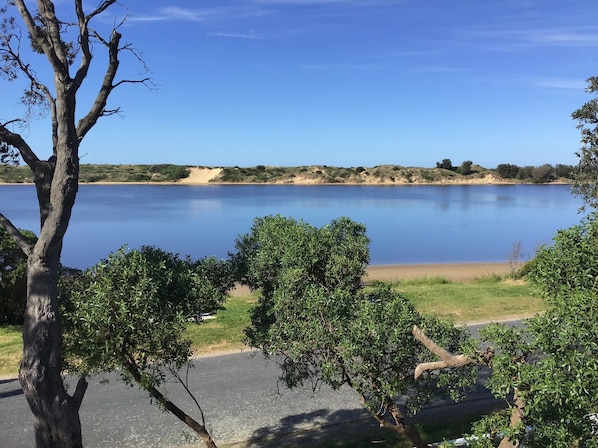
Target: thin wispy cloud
(173, 13)
(564, 38)
(329, 2)
(561, 84)
(547, 37)
(177, 13)
(250, 35)
(437, 69)
(340, 66)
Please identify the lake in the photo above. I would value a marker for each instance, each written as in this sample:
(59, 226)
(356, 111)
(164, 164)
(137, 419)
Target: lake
(406, 224)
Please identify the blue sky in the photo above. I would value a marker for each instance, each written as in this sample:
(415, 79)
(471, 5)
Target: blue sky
(345, 82)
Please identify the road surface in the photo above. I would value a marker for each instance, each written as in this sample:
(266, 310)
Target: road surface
(240, 400)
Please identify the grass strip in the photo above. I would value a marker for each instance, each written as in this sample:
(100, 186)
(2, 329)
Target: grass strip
(11, 348)
(482, 300)
(485, 299)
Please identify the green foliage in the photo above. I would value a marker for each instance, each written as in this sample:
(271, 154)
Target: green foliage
(129, 311)
(465, 167)
(536, 174)
(462, 302)
(586, 178)
(446, 164)
(551, 363)
(131, 173)
(570, 264)
(168, 172)
(507, 170)
(13, 277)
(543, 173)
(10, 173)
(315, 315)
(394, 174)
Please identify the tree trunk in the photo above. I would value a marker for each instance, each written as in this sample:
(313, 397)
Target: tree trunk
(55, 412)
(399, 426)
(199, 429)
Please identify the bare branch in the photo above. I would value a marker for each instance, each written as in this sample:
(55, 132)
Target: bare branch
(17, 236)
(15, 140)
(86, 55)
(84, 36)
(47, 38)
(144, 81)
(448, 359)
(38, 91)
(97, 109)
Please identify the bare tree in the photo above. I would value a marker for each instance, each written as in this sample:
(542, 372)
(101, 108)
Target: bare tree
(55, 411)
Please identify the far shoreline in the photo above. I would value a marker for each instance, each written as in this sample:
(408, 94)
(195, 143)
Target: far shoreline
(206, 176)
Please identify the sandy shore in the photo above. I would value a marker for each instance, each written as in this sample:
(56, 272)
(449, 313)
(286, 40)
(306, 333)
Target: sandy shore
(457, 272)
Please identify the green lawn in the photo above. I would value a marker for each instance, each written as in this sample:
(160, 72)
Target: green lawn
(11, 346)
(485, 299)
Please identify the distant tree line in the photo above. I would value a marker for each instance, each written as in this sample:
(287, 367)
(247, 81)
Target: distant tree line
(538, 174)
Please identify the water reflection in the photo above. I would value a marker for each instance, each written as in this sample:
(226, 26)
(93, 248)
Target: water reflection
(406, 224)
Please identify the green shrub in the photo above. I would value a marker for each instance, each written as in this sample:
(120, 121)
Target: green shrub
(13, 277)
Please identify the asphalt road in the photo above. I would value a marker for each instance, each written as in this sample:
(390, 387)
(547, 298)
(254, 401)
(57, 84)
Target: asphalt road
(240, 400)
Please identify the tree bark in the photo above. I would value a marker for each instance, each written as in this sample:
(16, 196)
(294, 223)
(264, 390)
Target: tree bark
(399, 426)
(55, 412)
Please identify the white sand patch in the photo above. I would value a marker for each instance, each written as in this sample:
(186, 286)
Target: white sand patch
(199, 176)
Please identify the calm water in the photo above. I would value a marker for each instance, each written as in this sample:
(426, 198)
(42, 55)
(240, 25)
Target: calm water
(406, 224)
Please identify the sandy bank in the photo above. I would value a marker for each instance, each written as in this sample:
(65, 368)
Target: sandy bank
(199, 176)
(457, 272)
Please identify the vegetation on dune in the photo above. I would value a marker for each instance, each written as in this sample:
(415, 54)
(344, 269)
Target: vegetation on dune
(467, 172)
(444, 172)
(106, 173)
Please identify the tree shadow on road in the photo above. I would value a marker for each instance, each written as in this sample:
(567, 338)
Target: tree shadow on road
(323, 426)
(318, 427)
(12, 392)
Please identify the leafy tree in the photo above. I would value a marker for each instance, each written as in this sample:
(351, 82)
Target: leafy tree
(586, 180)
(543, 173)
(465, 167)
(566, 171)
(547, 370)
(13, 277)
(525, 172)
(321, 325)
(445, 164)
(67, 44)
(570, 264)
(507, 170)
(128, 313)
